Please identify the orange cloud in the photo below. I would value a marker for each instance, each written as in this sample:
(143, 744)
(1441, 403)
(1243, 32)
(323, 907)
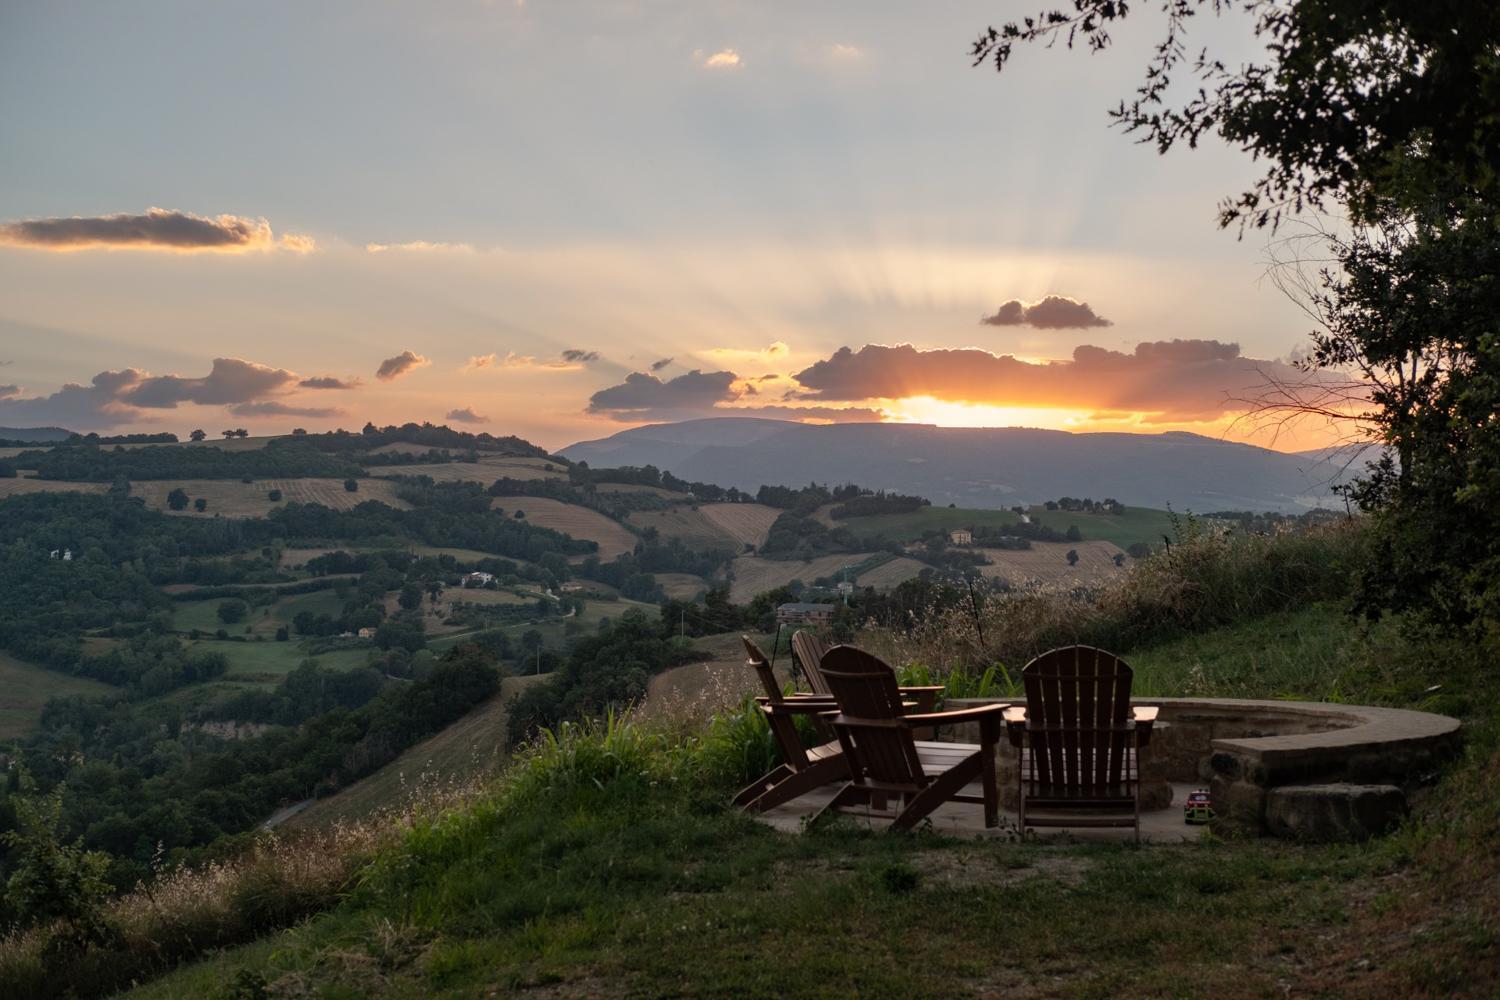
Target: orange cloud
(1162, 381)
(393, 368)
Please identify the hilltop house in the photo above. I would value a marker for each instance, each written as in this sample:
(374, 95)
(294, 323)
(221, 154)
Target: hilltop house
(477, 579)
(960, 536)
(799, 613)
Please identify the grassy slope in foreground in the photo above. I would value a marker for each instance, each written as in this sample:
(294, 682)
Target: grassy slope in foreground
(638, 884)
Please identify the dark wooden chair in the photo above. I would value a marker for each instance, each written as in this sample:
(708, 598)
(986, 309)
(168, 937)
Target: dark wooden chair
(1079, 741)
(810, 649)
(802, 769)
(887, 761)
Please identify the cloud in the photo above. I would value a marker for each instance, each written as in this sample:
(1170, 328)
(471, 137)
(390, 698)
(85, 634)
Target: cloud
(229, 381)
(657, 366)
(328, 382)
(570, 360)
(705, 394)
(466, 416)
(7, 391)
(840, 52)
(1055, 312)
(272, 408)
(1167, 380)
(723, 59)
(419, 246)
(159, 229)
(643, 393)
(130, 395)
(393, 368)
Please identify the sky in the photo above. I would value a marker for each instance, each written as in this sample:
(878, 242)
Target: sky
(560, 220)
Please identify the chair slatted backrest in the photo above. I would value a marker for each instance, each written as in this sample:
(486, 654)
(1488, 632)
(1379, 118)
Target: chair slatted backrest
(870, 713)
(782, 725)
(1078, 720)
(810, 650)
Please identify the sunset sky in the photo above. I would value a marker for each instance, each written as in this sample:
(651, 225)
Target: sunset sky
(562, 219)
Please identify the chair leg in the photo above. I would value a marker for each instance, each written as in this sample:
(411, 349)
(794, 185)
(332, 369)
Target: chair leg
(943, 788)
(991, 790)
(800, 783)
(847, 796)
(755, 790)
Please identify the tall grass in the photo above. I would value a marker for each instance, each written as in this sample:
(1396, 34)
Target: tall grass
(1202, 582)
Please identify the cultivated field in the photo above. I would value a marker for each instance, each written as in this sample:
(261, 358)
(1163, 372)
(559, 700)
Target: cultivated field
(232, 498)
(570, 519)
(1047, 563)
(25, 688)
(18, 485)
(465, 751)
(754, 575)
(912, 526)
(681, 586)
(746, 523)
(695, 529)
(13, 452)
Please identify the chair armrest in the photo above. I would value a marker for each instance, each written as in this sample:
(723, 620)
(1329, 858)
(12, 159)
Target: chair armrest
(925, 696)
(988, 717)
(1015, 724)
(1144, 717)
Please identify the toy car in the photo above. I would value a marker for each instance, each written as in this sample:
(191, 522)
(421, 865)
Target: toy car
(1198, 808)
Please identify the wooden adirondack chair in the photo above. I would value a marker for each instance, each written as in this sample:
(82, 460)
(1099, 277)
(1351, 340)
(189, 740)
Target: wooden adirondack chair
(810, 650)
(885, 758)
(803, 769)
(1079, 741)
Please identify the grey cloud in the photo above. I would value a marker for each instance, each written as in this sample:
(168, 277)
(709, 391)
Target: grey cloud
(393, 368)
(657, 366)
(466, 416)
(641, 393)
(6, 391)
(1055, 312)
(575, 356)
(157, 229)
(229, 381)
(328, 382)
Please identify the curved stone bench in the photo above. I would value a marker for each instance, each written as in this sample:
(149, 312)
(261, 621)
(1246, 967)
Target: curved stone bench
(1352, 761)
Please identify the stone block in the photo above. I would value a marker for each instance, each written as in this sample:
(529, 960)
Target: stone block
(1336, 812)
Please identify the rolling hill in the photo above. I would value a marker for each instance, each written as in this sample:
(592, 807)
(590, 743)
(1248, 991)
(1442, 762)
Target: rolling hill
(977, 467)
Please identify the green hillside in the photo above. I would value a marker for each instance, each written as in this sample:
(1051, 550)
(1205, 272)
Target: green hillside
(25, 689)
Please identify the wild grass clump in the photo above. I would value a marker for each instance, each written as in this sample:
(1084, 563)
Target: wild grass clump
(1203, 582)
(183, 912)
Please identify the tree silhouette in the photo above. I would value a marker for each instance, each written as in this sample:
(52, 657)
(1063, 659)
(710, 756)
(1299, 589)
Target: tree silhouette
(198, 435)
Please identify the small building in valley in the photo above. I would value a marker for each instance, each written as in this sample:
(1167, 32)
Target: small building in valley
(478, 579)
(800, 613)
(960, 536)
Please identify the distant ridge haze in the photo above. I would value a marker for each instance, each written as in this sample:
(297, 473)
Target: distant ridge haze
(978, 466)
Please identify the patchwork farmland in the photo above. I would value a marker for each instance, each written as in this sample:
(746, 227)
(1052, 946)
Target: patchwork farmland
(754, 575)
(1047, 563)
(19, 485)
(746, 523)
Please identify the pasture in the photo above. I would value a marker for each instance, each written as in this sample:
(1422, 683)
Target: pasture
(1137, 524)
(232, 498)
(891, 574)
(25, 689)
(754, 575)
(1047, 563)
(911, 526)
(570, 519)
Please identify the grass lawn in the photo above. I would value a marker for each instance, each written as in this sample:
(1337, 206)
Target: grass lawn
(25, 688)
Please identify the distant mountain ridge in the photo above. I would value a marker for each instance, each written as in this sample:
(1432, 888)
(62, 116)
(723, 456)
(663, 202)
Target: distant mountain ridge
(36, 434)
(976, 466)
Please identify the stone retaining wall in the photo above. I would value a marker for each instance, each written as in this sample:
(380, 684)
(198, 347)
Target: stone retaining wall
(1339, 758)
